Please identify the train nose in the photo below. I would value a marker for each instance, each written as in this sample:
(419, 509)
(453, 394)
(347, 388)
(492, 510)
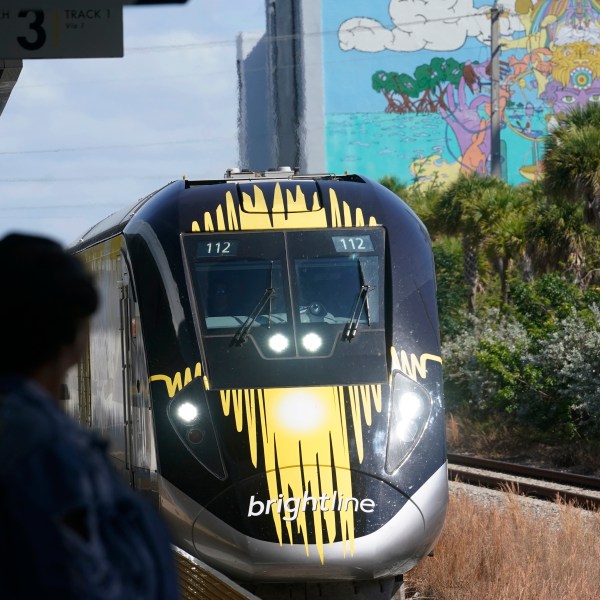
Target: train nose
(370, 523)
(269, 506)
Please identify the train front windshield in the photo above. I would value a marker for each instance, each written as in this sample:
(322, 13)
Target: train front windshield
(290, 308)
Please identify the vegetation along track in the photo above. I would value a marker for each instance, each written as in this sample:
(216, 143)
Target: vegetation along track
(581, 490)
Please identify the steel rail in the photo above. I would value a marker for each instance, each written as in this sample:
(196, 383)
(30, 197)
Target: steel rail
(547, 484)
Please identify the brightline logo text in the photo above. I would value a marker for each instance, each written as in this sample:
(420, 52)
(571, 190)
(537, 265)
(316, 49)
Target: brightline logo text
(292, 506)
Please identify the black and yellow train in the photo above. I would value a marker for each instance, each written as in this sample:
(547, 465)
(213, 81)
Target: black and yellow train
(266, 364)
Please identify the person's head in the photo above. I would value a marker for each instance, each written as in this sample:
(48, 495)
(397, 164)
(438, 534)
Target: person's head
(45, 300)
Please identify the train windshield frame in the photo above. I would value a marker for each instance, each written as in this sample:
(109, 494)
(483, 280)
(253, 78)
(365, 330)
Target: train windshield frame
(289, 308)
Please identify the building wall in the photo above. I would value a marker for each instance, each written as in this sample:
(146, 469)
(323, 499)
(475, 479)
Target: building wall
(255, 111)
(402, 87)
(272, 88)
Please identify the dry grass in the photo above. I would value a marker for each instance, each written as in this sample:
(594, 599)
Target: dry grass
(503, 551)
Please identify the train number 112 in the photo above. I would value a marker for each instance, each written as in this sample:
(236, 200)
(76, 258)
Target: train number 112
(218, 247)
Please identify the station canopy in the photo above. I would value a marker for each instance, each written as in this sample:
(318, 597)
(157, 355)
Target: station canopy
(9, 73)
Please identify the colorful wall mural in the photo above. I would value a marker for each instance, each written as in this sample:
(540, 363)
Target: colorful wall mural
(407, 83)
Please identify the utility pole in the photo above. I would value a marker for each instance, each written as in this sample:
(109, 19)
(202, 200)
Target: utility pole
(496, 156)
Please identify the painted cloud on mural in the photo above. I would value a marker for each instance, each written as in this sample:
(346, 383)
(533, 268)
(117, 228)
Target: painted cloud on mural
(442, 25)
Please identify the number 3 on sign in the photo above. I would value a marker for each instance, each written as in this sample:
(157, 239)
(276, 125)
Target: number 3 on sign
(35, 25)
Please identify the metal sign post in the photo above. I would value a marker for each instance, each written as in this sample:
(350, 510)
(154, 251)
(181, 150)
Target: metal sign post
(496, 153)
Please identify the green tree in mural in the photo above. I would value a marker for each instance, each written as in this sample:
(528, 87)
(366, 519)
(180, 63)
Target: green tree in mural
(427, 86)
(397, 89)
(427, 82)
(571, 161)
(431, 79)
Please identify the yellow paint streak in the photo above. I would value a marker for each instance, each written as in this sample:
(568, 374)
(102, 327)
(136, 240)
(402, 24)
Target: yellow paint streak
(305, 448)
(414, 365)
(360, 220)
(288, 211)
(361, 398)
(254, 213)
(278, 206)
(297, 204)
(232, 218)
(258, 203)
(243, 399)
(220, 219)
(176, 383)
(342, 217)
(356, 419)
(316, 205)
(347, 215)
(295, 214)
(334, 206)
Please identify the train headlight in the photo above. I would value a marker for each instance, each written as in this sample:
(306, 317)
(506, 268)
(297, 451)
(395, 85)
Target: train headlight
(278, 343)
(189, 416)
(410, 411)
(187, 412)
(312, 342)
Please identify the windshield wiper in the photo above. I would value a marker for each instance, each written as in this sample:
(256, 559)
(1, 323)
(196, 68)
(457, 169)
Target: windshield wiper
(241, 335)
(362, 303)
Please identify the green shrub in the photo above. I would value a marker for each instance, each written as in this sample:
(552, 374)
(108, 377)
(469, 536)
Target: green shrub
(481, 363)
(541, 304)
(452, 291)
(570, 358)
(546, 378)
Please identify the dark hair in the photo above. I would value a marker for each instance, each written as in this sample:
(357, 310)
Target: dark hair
(46, 294)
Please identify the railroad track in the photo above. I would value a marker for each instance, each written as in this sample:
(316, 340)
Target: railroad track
(581, 490)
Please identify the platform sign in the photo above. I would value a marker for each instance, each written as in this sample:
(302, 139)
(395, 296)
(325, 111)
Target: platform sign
(83, 32)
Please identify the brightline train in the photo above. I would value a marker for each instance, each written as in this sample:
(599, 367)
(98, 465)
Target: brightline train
(266, 366)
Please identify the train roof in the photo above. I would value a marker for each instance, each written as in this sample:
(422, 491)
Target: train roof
(115, 223)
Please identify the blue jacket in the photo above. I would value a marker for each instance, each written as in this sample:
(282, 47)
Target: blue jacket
(69, 527)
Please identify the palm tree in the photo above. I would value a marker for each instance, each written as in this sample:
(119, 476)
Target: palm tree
(421, 197)
(571, 161)
(505, 241)
(470, 208)
(557, 239)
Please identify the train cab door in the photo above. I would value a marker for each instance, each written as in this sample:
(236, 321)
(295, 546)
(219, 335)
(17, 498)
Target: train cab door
(140, 456)
(126, 374)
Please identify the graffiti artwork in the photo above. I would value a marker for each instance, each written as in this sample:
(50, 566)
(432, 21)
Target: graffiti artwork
(420, 103)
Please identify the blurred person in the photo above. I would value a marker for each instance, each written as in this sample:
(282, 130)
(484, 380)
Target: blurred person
(70, 528)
